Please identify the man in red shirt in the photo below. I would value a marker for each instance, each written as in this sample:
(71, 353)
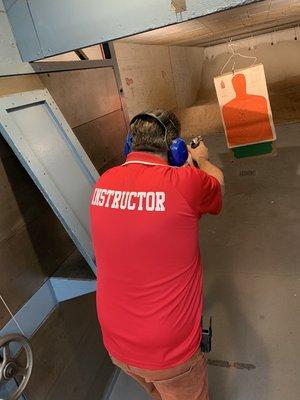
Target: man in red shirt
(144, 221)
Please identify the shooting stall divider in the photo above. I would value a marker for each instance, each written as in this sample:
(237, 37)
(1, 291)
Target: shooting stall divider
(45, 145)
(41, 138)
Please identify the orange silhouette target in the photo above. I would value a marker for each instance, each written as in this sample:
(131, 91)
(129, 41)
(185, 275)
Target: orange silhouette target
(247, 117)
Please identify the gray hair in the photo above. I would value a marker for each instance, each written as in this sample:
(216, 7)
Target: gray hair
(149, 135)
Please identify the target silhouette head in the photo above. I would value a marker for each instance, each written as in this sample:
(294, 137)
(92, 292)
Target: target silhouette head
(239, 85)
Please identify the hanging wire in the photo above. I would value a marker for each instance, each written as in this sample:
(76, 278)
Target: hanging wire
(12, 316)
(232, 47)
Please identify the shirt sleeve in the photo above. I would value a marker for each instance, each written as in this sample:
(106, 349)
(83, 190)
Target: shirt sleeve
(201, 191)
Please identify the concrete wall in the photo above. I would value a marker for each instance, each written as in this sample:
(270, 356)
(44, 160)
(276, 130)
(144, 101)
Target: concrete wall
(158, 76)
(146, 75)
(187, 63)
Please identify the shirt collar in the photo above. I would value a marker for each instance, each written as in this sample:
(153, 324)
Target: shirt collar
(140, 157)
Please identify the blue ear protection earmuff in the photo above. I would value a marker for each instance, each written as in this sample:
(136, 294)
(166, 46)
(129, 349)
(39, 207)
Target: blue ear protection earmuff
(128, 144)
(177, 153)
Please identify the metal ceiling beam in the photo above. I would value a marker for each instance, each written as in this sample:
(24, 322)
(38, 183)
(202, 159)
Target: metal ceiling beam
(25, 68)
(44, 28)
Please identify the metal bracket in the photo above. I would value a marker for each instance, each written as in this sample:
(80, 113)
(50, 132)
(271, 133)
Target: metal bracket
(178, 5)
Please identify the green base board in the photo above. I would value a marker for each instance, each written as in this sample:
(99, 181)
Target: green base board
(253, 150)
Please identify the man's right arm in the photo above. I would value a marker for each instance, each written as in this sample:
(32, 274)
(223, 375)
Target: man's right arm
(200, 156)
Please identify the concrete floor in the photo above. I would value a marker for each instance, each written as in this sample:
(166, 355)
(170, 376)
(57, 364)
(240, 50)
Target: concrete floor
(251, 259)
(69, 358)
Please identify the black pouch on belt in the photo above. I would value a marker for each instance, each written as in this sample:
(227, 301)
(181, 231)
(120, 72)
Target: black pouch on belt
(206, 338)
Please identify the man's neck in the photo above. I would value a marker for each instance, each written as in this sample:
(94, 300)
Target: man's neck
(161, 155)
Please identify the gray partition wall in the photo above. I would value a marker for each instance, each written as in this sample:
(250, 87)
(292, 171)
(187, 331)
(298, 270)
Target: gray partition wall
(44, 143)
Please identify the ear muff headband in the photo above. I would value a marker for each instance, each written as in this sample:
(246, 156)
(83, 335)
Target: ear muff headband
(145, 115)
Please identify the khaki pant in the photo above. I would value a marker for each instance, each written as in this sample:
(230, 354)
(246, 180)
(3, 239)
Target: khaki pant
(187, 381)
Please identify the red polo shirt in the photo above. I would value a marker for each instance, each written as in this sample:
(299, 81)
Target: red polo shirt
(144, 221)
